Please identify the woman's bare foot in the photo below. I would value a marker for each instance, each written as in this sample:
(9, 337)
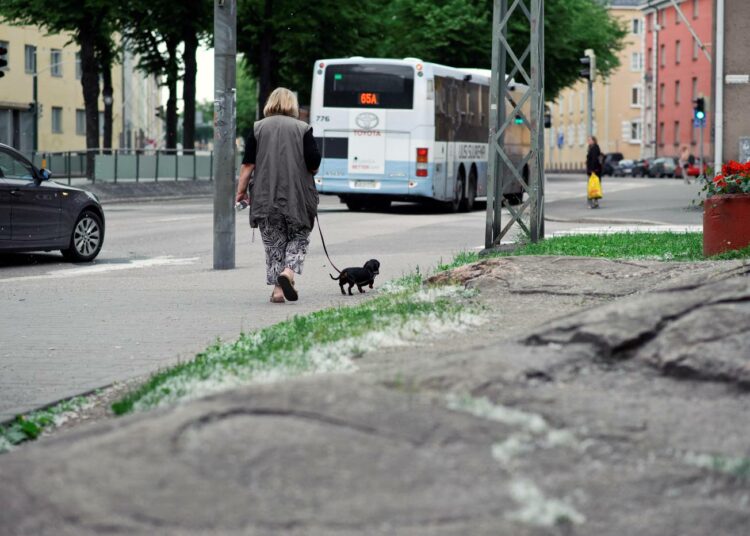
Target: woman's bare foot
(277, 296)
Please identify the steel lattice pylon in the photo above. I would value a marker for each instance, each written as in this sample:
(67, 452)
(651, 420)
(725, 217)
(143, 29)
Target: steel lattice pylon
(502, 170)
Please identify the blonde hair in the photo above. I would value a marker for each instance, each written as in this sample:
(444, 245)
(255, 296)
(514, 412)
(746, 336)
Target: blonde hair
(281, 101)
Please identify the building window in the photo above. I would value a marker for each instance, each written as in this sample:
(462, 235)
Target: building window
(696, 49)
(636, 131)
(636, 61)
(571, 103)
(677, 92)
(636, 96)
(637, 26)
(676, 17)
(582, 100)
(55, 62)
(79, 69)
(562, 106)
(29, 59)
(663, 53)
(101, 124)
(57, 120)
(662, 91)
(581, 134)
(676, 133)
(571, 135)
(661, 133)
(6, 46)
(695, 9)
(677, 47)
(663, 18)
(695, 89)
(80, 122)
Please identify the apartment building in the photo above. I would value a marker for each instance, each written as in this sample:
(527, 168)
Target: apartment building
(55, 61)
(678, 71)
(618, 103)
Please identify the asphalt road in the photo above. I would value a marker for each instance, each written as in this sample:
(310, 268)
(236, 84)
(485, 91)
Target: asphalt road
(152, 297)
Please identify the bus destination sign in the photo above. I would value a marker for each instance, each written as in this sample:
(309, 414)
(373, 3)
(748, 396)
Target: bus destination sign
(369, 99)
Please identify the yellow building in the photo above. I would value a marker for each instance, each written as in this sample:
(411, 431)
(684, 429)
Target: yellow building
(618, 104)
(55, 60)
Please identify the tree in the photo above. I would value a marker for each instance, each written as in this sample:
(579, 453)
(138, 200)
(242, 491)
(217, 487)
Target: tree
(281, 39)
(247, 99)
(89, 24)
(196, 25)
(459, 33)
(153, 36)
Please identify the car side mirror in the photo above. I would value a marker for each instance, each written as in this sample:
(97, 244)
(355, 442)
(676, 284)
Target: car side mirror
(45, 174)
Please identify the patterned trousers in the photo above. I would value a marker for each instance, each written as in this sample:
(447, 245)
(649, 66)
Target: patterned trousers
(285, 245)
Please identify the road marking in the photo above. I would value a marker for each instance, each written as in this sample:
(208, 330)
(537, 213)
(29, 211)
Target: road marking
(182, 218)
(104, 268)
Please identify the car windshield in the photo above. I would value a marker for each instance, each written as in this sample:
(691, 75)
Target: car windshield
(626, 162)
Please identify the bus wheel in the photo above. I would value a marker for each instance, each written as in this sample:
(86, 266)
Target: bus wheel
(355, 205)
(514, 199)
(458, 196)
(378, 204)
(467, 203)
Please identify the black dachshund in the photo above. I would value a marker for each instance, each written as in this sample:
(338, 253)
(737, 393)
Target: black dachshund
(358, 276)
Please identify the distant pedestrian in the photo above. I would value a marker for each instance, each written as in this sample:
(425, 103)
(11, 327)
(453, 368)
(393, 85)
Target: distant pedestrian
(594, 167)
(281, 157)
(593, 158)
(684, 163)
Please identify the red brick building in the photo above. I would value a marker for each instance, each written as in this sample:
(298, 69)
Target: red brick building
(677, 72)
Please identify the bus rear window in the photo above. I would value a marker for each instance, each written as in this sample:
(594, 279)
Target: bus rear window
(369, 86)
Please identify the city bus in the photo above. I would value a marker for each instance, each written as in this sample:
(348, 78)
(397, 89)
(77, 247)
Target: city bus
(406, 130)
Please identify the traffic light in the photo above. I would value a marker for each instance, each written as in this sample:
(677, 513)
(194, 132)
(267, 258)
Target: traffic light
(3, 60)
(589, 65)
(699, 112)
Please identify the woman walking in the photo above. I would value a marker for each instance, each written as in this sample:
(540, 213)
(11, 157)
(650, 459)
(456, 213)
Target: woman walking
(282, 153)
(594, 166)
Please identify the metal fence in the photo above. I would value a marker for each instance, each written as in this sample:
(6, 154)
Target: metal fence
(130, 165)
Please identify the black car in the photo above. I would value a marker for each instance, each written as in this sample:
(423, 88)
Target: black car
(624, 168)
(37, 214)
(609, 163)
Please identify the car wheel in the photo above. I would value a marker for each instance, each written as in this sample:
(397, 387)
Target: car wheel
(86, 239)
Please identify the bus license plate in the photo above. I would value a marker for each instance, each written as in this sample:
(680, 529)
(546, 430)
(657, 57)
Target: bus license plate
(370, 185)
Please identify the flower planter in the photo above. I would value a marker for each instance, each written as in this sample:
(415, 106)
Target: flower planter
(726, 223)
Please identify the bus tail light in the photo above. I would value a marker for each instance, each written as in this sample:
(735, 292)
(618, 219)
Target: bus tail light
(422, 162)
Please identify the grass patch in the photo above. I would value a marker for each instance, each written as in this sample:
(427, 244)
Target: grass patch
(304, 343)
(30, 426)
(667, 246)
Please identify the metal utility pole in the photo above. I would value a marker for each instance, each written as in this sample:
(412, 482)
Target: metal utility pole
(589, 73)
(502, 170)
(225, 80)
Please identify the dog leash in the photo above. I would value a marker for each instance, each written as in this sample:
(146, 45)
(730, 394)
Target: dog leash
(325, 249)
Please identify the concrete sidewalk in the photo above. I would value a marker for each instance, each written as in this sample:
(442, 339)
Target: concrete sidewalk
(600, 397)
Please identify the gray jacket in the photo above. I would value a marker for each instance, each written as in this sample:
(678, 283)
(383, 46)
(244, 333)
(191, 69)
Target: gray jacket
(282, 183)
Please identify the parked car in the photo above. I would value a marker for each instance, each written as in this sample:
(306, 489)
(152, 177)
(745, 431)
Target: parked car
(666, 166)
(609, 163)
(640, 168)
(624, 168)
(693, 170)
(37, 214)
